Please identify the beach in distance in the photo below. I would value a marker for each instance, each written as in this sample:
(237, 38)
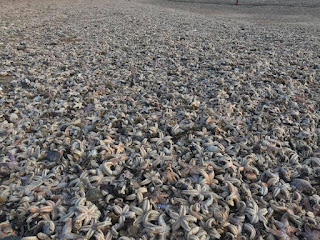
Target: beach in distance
(258, 11)
(156, 119)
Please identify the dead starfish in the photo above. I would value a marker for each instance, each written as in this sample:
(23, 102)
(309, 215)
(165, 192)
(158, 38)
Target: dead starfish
(285, 231)
(310, 235)
(158, 196)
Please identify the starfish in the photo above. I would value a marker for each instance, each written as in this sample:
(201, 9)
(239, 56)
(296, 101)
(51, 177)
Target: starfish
(310, 235)
(256, 214)
(285, 230)
(189, 168)
(95, 228)
(119, 148)
(124, 213)
(66, 233)
(281, 187)
(181, 219)
(55, 209)
(143, 212)
(138, 194)
(170, 176)
(208, 178)
(200, 191)
(234, 197)
(163, 230)
(87, 213)
(158, 196)
(162, 139)
(152, 177)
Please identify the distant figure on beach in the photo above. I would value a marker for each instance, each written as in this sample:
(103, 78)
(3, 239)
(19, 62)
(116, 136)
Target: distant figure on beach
(237, 2)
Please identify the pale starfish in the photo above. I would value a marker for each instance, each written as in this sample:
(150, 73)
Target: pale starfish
(256, 214)
(87, 213)
(181, 219)
(142, 212)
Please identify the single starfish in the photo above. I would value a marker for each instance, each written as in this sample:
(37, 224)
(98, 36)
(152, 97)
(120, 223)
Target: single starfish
(66, 233)
(181, 219)
(86, 213)
(208, 178)
(95, 228)
(142, 212)
(170, 176)
(256, 214)
(200, 191)
(158, 196)
(284, 229)
(310, 235)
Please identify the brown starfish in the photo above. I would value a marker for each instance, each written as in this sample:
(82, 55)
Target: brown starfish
(285, 231)
(170, 176)
(189, 168)
(158, 197)
(310, 235)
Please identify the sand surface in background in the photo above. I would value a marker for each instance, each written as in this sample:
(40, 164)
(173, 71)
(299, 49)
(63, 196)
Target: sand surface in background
(300, 12)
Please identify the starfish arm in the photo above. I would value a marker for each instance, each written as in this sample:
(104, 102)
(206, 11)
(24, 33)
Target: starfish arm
(87, 220)
(263, 211)
(95, 215)
(146, 181)
(89, 234)
(146, 205)
(71, 236)
(126, 208)
(81, 217)
(185, 226)
(276, 192)
(255, 218)
(190, 218)
(174, 215)
(250, 211)
(176, 226)
(191, 192)
(137, 211)
(183, 210)
(81, 208)
(138, 221)
(117, 210)
(255, 207)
